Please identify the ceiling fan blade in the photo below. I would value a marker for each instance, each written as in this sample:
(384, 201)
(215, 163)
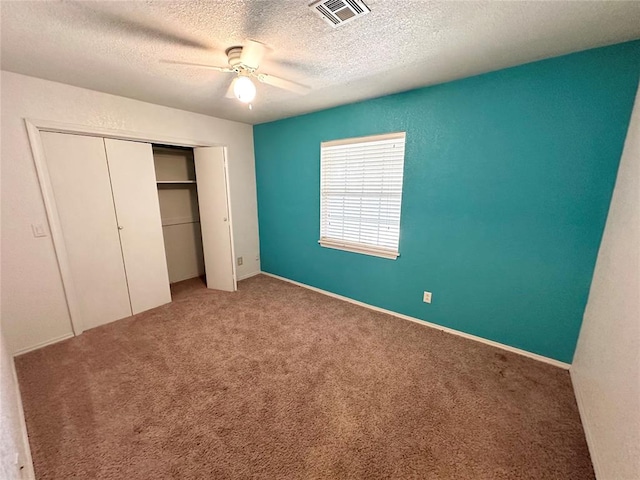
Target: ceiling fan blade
(252, 53)
(202, 65)
(123, 25)
(282, 83)
(230, 93)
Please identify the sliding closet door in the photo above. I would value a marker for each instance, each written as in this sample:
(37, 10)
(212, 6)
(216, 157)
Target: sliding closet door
(215, 220)
(133, 181)
(79, 178)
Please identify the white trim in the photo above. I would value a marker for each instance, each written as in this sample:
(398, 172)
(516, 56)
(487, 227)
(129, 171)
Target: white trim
(249, 275)
(358, 248)
(75, 129)
(27, 472)
(230, 217)
(54, 226)
(368, 138)
(43, 344)
(585, 417)
(535, 356)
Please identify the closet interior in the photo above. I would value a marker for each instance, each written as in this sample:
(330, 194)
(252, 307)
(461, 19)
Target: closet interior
(179, 210)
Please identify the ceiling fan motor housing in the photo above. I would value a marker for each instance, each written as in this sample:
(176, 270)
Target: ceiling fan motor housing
(233, 57)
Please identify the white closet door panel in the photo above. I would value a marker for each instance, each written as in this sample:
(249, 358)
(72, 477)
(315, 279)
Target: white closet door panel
(215, 219)
(133, 181)
(79, 177)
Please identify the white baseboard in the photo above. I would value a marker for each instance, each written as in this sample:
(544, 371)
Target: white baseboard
(502, 346)
(585, 417)
(43, 344)
(28, 473)
(249, 275)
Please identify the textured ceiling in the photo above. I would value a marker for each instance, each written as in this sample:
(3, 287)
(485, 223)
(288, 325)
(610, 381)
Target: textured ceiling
(116, 47)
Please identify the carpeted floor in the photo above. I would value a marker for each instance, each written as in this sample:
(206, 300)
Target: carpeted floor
(278, 382)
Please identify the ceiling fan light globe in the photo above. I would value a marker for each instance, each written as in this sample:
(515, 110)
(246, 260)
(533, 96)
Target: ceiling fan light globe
(244, 89)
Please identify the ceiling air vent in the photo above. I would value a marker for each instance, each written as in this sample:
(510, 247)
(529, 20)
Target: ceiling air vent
(337, 12)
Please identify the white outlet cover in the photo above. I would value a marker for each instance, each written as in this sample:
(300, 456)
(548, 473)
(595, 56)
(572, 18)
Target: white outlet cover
(426, 298)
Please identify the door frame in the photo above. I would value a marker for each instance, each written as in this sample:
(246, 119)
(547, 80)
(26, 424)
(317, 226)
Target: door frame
(34, 127)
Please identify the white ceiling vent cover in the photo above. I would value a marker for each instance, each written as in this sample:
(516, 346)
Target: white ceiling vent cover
(337, 12)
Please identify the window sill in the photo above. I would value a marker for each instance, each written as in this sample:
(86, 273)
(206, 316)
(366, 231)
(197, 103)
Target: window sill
(359, 248)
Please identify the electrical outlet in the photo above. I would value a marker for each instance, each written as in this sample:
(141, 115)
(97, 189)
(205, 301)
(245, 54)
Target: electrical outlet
(240, 261)
(426, 298)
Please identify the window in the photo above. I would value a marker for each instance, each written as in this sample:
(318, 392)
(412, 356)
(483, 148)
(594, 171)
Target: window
(361, 194)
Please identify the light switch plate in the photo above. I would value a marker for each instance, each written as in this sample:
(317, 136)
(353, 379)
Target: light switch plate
(38, 230)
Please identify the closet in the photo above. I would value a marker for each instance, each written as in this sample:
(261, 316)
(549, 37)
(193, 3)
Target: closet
(104, 199)
(178, 196)
(108, 212)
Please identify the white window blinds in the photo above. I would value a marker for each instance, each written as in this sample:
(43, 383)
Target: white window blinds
(361, 194)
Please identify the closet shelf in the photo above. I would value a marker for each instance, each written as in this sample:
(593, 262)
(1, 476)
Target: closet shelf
(169, 182)
(167, 222)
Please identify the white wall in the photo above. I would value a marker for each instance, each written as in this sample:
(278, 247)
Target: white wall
(33, 304)
(12, 435)
(606, 366)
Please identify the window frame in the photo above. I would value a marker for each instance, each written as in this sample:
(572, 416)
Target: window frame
(357, 247)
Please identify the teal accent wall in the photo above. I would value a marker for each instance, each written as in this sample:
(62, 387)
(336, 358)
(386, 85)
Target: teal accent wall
(507, 183)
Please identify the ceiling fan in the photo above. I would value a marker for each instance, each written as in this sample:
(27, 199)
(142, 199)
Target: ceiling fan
(244, 62)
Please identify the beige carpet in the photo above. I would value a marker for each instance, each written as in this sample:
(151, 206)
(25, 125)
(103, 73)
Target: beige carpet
(278, 382)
